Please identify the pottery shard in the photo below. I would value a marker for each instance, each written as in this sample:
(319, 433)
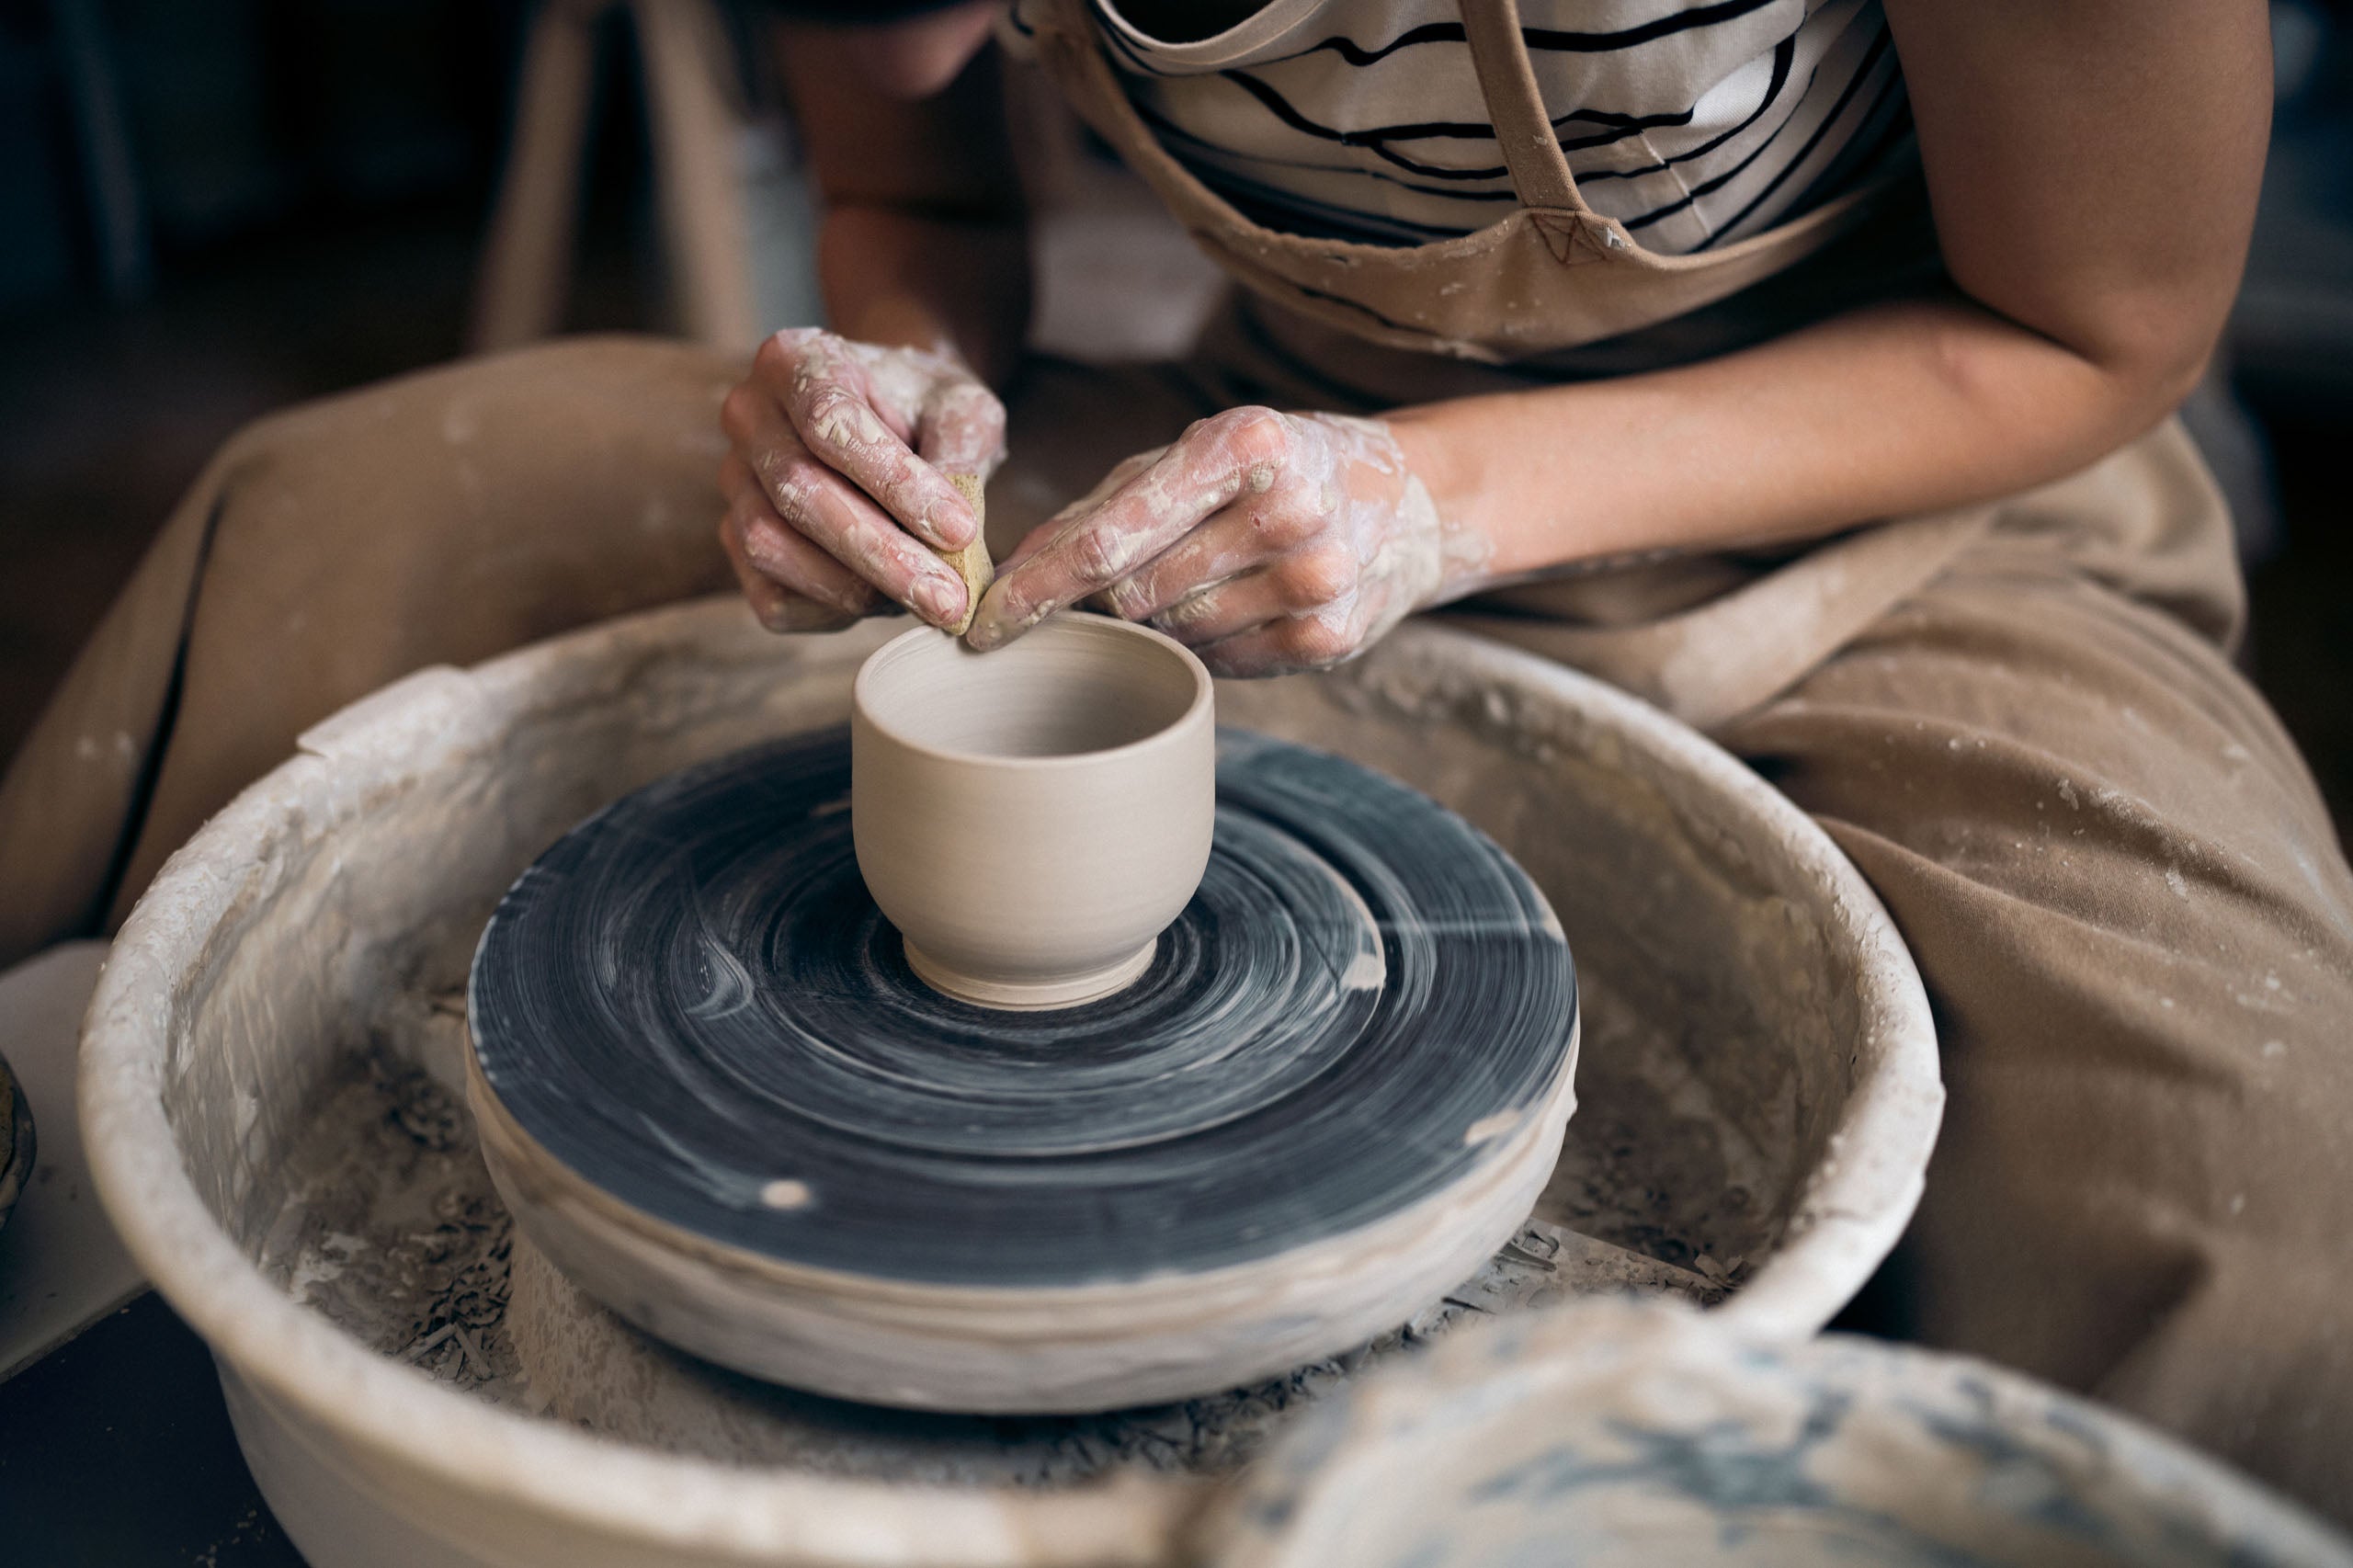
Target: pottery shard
(972, 563)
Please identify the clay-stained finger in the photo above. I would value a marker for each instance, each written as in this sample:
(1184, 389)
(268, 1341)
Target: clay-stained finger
(1297, 643)
(759, 541)
(777, 607)
(755, 535)
(1038, 538)
(781, 609)
(824, 394)
(812, 499)
(962, 429)
(1223, 609)
(1212, 465)
(792, 584)
(1258, 531)
(877, 550)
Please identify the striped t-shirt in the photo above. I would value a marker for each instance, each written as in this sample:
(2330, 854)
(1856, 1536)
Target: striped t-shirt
(1693, 122)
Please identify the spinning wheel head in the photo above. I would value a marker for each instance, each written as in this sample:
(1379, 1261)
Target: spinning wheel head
(717, 1096)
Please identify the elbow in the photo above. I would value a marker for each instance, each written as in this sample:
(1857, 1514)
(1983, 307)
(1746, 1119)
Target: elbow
(2134, 349)
(2152, 363)
(2148, 348)
(2054, 390)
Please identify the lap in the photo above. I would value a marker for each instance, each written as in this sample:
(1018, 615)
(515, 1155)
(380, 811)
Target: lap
(438, 518)
(2136, 923)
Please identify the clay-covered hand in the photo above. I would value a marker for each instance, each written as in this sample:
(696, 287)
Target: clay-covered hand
(836, 478)
(1268, 542)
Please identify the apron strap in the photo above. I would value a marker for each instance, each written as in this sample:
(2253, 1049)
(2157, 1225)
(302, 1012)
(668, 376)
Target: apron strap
(1540, 171)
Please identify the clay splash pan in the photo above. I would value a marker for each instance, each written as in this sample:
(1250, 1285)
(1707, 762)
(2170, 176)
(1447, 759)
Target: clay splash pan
(715, 1094)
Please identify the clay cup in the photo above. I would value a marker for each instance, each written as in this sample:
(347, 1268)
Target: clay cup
(1032, 819)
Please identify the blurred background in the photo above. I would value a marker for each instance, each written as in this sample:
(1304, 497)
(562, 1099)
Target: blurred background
(211, 211)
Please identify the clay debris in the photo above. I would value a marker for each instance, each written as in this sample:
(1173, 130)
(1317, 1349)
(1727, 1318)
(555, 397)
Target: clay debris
(390, 1228)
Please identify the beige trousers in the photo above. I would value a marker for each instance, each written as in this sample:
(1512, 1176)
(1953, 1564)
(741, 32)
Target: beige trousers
(2117, 876)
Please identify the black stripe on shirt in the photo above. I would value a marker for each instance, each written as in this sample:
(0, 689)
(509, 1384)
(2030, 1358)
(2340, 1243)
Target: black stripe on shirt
(1332, 219)
(1168, 130)
(1849, 166)
(1870, 61)
(1375, 139)
(1785, 54)
(1556, 39)
(1709, 188)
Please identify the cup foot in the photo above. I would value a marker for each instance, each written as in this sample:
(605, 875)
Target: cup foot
(1066, 991)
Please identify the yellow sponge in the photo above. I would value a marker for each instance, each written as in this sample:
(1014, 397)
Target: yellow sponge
(972, 563)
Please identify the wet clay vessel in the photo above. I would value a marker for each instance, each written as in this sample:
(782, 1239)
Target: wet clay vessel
(714, 1092)
(1032, 819)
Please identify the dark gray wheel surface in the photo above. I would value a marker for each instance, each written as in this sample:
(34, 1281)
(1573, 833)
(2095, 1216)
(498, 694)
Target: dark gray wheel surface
(692, 1002)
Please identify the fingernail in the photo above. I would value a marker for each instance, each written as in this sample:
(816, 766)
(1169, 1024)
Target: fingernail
(964, 517)
(988, 627)
(941, 600)
(944, 530)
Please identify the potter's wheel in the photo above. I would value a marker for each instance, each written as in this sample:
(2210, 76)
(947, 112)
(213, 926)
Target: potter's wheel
(717, 1096)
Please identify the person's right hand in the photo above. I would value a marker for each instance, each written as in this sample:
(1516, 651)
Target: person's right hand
(835, 479)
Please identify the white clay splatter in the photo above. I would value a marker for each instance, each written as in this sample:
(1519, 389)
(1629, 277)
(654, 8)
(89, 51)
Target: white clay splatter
(786, 1193)
(1490, 1127)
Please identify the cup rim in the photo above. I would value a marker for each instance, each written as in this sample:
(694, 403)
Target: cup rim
(1203, 695)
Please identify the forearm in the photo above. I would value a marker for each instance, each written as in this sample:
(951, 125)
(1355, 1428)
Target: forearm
(1883, 412)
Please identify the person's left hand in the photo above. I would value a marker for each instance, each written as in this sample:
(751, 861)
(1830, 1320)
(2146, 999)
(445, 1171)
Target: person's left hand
(1268, 542)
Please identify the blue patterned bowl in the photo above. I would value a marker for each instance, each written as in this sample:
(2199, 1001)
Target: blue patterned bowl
(1624, 1434)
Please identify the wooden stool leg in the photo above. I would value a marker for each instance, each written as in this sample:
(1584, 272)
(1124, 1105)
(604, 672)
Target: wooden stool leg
(527, 264)
(697, 125)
